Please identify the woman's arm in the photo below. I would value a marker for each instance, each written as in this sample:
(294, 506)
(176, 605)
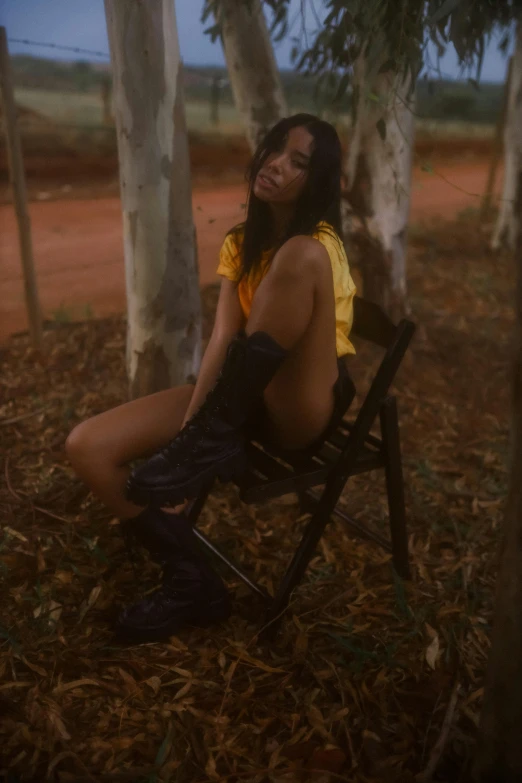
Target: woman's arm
(229, 320)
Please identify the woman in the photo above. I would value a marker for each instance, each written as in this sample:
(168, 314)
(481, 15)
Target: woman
(273, 363)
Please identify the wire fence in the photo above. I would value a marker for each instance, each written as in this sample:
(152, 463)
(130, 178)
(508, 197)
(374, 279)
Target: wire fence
(74, 100)
(59, 47)
(94, 53)
(56, 98)
(35, 118)
(69, 116)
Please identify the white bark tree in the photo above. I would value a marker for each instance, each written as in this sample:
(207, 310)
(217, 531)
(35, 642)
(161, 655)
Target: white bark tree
(252, 68)
(504, 234)
(378, 174)
(163, 299)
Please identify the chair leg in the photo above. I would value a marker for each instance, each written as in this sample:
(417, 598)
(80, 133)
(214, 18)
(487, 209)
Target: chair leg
(306, 503)
(295, 572)
(395, 486)
(196, 506)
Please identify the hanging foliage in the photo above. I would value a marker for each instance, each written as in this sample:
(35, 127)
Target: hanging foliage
(401, 28)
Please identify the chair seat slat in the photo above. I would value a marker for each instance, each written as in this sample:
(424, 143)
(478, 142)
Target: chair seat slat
(372, 440)
(268, 478)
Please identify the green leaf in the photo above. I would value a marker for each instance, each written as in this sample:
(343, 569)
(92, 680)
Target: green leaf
(480, 58)
(161, 756)
(207, 11)
(381, 128)
(214, 32)
(279, 26)
(342, 87)
(331, 16)
(445, 10)
(503, 45)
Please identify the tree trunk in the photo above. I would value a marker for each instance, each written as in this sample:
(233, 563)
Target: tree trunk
(164, 306)
(252, 67)
(500, 747)
(506, 225)
(378, 174)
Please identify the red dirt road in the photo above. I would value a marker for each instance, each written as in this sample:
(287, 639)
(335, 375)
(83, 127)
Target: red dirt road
(79, 254)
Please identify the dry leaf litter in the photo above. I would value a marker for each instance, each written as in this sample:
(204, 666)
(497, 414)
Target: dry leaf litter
(358, 684)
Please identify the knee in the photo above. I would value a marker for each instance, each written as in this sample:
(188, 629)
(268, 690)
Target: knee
(302, 259)
(79, 444)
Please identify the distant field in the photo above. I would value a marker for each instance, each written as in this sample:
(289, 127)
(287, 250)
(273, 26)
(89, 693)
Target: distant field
(437, 99)
(85, 111)
(455, 129)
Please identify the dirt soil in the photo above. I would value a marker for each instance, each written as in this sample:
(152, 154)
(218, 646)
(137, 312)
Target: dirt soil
(371, 679)
(77, 238)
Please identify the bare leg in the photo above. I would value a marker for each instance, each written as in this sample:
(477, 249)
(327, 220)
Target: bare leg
(295, 304)
(101, 447)
(100, 450)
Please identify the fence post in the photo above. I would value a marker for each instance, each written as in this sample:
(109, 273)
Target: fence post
(16, 168)
(215, 95)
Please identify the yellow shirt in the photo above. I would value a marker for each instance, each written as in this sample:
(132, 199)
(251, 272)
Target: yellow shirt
(344, 287)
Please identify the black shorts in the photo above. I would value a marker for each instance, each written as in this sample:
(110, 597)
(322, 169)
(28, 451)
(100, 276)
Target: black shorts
(344, 392)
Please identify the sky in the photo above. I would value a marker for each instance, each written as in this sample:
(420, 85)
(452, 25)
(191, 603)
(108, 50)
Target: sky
(81, 23)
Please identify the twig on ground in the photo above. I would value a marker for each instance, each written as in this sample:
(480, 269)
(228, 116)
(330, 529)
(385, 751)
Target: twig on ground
(8, 482)
(27, 500)
(22, 416)
(50, 514)
(438, 749)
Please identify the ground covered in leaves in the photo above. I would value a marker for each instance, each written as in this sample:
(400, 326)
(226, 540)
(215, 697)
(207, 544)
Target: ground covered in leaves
(371, 679)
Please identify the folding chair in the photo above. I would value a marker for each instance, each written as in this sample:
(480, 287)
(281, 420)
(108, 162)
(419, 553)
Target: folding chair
(351, 450)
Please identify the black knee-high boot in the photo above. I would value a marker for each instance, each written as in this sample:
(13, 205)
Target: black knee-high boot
(191, 594)
(211, 444)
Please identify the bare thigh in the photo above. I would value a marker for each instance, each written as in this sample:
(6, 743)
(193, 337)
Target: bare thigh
(300, 398)
(134, 429)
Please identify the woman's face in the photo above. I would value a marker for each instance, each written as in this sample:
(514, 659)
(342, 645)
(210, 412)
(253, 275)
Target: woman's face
(284, 174)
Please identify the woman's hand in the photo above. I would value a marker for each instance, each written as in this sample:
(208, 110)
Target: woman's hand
(228, 322)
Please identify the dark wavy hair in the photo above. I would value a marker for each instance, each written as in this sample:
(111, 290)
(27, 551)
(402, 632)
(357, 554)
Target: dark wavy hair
(319, 202)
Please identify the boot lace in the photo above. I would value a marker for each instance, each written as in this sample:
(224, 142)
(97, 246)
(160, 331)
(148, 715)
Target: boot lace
(179, 449)
(197, 427)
